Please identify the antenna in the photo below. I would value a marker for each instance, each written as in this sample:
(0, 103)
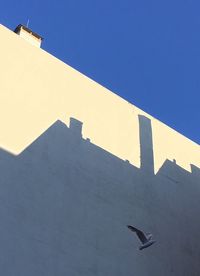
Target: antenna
(27, 24)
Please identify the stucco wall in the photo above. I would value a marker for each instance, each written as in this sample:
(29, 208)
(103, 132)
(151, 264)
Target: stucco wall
(65, 200)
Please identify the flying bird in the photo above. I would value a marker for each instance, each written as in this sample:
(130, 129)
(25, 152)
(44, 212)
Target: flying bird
(146, 239)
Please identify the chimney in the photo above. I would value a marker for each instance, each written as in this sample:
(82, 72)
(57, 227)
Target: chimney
(28, 35)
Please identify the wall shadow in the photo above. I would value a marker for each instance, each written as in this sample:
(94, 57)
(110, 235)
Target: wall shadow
(65, 204)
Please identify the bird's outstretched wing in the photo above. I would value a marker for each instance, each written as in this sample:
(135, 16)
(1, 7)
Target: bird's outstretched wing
(139, 233)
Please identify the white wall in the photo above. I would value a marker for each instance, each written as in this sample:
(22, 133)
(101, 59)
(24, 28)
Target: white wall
(65, 204)
(37, 89)
(65, 201)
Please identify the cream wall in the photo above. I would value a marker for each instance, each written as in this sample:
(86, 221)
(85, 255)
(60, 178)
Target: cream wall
(36, 89)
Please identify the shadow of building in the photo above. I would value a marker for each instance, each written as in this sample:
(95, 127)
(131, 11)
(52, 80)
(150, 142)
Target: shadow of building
(65, 204)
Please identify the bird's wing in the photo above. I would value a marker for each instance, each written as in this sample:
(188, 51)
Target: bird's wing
(139, 233)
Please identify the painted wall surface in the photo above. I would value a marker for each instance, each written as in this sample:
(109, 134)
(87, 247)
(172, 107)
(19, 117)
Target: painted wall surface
(77, 164)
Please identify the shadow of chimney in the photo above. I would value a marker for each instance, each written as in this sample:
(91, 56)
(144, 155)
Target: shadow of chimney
(146, 145)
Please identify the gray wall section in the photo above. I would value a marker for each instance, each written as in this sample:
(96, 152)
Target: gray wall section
(65, 204)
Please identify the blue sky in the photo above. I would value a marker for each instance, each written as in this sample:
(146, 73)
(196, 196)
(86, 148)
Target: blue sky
(146, 51)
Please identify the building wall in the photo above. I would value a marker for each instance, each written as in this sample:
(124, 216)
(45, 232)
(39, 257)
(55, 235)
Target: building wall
(69, 187)
(37, 89)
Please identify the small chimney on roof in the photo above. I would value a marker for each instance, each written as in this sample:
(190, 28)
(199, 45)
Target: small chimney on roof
(28, 35)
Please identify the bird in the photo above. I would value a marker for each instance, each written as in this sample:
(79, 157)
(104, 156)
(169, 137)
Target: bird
(146, 239)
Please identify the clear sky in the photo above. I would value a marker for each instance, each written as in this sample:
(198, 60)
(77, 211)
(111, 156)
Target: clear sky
(146, 51)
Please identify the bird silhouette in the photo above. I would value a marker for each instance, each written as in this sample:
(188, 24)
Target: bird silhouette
(146, 239)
